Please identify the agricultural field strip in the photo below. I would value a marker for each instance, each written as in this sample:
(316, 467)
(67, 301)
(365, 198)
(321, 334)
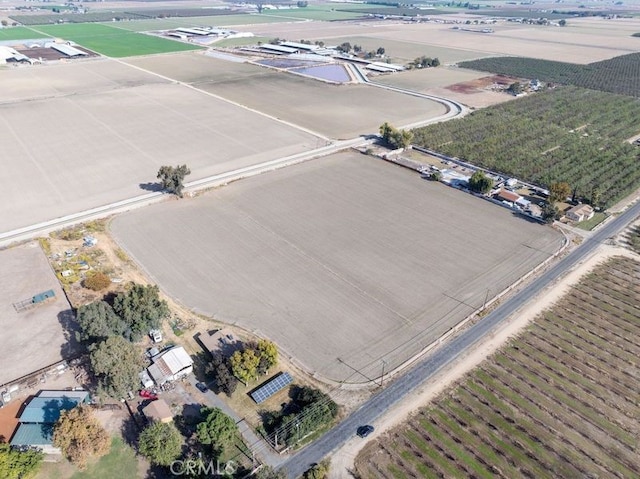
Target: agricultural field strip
(573, 403)
(617, 75)
(113, 42)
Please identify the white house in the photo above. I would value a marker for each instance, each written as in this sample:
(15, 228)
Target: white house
(580, 212)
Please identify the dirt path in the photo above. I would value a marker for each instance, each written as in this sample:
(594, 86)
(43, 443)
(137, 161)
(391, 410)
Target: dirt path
(343, 459)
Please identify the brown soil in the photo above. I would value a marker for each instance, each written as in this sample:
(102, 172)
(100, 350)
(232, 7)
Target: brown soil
(9, 420)
(480, 84)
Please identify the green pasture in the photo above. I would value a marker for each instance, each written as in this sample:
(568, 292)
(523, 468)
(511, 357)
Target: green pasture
(17, 33)
(114, 42)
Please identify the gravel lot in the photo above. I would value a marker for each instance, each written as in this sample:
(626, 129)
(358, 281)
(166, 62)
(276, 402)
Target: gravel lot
(343, 261)
(85, 135)
(35, 338)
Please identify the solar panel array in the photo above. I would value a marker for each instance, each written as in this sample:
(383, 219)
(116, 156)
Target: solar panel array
(271, 387)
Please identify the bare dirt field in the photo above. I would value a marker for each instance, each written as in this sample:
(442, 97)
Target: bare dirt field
(88, 134)
(343, 261)
(37, 337)
(337, 111)
(468, 87)
(425, 79)
(578, 45)
(405, 51)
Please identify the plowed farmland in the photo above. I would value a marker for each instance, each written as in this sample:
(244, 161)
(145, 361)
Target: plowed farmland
(560, 401)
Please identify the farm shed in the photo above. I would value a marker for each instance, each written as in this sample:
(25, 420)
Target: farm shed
(580, 212)
(65, 49)
(193, 31)
(507, 195)
(170, 365)
(36, 421)
(158, 410)
(299, 46)
(277, 49)
(221, 340)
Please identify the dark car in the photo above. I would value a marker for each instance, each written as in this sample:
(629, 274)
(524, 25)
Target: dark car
(202, 387)
(364, 431)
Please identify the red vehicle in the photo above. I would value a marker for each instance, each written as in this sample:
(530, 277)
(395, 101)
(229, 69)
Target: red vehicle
(148, 394)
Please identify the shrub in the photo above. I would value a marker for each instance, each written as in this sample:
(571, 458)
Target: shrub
(97, 281)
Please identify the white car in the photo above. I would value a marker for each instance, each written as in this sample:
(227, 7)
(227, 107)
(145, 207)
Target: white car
(156, 335)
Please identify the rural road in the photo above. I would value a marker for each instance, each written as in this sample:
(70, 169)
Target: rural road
(29, 232)
(427, 368)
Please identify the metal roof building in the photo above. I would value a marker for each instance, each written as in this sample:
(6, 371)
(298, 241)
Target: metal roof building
(47, 409)
(299, 46)
(35, 435)
(40, 414)
(170, 365)
(65, 49)
(278, 49)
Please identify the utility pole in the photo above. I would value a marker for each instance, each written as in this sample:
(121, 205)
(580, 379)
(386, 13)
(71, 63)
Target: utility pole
(384, 363)
(486, 298)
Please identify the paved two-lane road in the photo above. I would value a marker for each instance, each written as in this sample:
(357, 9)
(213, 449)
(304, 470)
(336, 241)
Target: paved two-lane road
(427, 368)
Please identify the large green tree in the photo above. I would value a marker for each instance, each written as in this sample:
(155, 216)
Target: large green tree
(394, 137)
(141, 309)
(244, 365)
(116, 362)
(161, 443)
(268, 353)
(79, 435)
(217, 429)
(98, 321)
(172, 178)
(480, 183)
(18, 464)
(220, 371)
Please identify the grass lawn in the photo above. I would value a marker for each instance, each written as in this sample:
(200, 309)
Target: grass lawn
(114, 42)
(121, 462)
(17, 33)
(593, 222)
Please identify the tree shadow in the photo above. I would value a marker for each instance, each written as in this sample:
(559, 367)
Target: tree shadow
(71, 348)
(130, 429)
(159, 472)
(154, 187)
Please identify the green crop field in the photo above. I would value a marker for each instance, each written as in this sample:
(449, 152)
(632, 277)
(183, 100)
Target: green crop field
(617, 75)
(559, 401)
(567, 134)
(17, 33)
(114, 42)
